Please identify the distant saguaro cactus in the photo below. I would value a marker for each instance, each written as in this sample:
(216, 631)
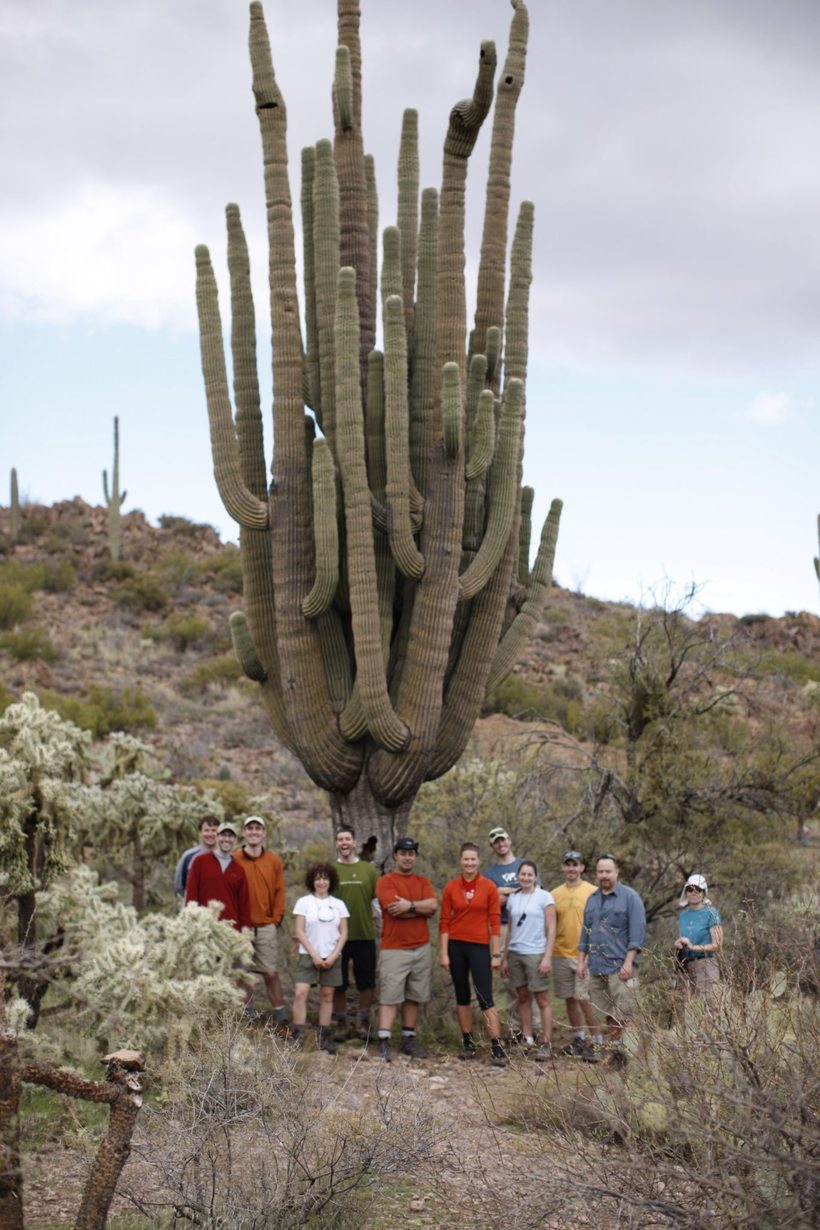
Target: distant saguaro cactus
(387, 585)
(14, 508)
(114, 500)
(816, 559)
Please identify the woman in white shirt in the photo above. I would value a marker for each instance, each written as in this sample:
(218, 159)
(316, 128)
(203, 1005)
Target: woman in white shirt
(321, 931)
(528, 954)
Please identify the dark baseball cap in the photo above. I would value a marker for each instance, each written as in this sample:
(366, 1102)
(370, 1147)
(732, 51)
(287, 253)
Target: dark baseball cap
(405, 843)
(573, 856)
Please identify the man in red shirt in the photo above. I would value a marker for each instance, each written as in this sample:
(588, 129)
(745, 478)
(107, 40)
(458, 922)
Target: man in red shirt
(216, 876)
(407, 901)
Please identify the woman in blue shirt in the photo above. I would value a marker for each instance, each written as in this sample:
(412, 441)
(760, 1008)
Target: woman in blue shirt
(701, 937)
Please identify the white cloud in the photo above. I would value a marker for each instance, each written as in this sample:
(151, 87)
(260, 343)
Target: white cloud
(111, 253)
(769, 409)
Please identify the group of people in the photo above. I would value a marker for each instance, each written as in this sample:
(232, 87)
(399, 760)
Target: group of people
(587, 937)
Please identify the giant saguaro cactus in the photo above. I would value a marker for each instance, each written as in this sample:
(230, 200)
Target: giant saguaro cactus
(386, 568)
(114, 500)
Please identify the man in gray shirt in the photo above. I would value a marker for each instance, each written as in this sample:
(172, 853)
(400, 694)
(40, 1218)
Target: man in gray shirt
(612, 935)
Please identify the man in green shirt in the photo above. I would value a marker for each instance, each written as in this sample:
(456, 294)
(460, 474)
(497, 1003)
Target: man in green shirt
(357, 889)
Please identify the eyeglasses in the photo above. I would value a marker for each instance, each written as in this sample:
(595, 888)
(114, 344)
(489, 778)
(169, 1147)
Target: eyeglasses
(692, 888)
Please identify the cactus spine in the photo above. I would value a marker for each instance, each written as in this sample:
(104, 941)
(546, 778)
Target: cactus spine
(113, 499)
(386, 573)
(14, 509)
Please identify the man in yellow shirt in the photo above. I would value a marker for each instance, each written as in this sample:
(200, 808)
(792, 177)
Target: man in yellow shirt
(570, 899)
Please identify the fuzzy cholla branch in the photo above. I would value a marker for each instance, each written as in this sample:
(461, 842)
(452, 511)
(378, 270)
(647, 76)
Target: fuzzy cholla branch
(145, 979)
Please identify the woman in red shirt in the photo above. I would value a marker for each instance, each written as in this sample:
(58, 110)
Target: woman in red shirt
(470, 936)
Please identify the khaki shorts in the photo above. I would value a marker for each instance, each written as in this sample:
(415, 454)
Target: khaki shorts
(307, 972)
(524, 971)
(265, 948)
(613, 997)
(404, 973)
(564, 983)
(701, 975)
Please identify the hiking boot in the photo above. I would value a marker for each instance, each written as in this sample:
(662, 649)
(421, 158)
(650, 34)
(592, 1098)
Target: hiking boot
(409, 1046)
(498, 1056)
(342, 1032)
(361, 1032)
(468, 1049)
(575, 1047)
(543, 1053)
(589, 1052)
(296, 1039)
(385, 1051)
(324, 1041)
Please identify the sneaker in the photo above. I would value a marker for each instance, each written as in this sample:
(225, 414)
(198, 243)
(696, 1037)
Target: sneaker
(385, 1051)
(497, 1055)
(409, 1046)
(342, 1032)
(468, 1050)
(543, 1053)
(589, 1052)
(296, 1039)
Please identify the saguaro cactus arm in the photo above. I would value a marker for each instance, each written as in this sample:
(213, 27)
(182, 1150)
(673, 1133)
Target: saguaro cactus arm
(14, 508)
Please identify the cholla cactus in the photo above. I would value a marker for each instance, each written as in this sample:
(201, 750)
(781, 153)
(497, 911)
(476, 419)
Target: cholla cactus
(114, 501)
(386, 571)
(140, 819)
(144, 980)
(42, 796)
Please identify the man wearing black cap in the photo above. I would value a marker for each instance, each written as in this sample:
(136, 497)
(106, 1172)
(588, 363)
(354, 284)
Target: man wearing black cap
(570, 899)
(407, 901)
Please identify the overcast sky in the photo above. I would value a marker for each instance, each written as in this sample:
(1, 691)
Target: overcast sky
(670, 150)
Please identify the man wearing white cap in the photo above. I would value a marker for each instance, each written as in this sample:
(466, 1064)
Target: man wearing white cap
(266, 891)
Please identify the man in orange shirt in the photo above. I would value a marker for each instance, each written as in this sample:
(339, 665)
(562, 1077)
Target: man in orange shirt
(407, 901)
(266, 890)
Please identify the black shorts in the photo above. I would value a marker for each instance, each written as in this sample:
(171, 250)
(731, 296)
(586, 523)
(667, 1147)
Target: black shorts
(363, 955)
(467, 959)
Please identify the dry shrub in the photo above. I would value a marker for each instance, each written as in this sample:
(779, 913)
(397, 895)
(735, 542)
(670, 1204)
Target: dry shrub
(715, 1124)
(243, 1136)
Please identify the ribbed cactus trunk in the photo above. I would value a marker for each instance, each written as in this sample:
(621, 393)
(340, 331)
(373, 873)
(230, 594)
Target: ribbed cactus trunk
(386, 566)
(114, 500)
(14, 509)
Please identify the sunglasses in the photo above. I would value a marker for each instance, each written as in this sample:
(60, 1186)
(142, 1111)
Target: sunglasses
(520, 920)
(692, 888)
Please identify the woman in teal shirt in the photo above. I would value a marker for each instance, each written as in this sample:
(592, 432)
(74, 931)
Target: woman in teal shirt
(701, 937)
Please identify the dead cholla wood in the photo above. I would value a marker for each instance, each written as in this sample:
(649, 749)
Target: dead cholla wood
(386, 571)
(122, 1091)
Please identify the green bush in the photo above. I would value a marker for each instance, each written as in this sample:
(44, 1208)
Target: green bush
(178, 569)
(104, 709)
(185, 630)
(54, 576)
(793, 665)
(59, 577)
(6, 698)
(558, 702)
(222, 672)
(227, 570)
(28, 645)
(142, 592)
(15, 604)
(113, 570)
(182, 526)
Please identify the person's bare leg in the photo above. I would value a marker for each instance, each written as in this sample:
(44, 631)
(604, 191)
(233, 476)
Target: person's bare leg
(524, 1010)
(409, 1014)
(493, 1023)
(464, 1012)
(273, 986)
(387, 1015)
(542, 998)
(325, 1005)
(300, 997)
